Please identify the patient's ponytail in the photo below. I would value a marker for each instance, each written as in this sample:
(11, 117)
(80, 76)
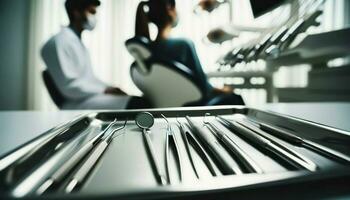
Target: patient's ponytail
(157, 13)
(141, 26)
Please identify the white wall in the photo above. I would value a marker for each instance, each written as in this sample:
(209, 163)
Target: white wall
(13, 46)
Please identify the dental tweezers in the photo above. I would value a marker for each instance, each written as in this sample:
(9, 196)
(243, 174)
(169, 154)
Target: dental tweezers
(296, 140)
(223, 159)
(259, 137)
(159, 176)
(171, 142)
(247, 161)
(190, 139)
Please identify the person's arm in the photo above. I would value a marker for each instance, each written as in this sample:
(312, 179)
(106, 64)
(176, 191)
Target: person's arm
(63, 68)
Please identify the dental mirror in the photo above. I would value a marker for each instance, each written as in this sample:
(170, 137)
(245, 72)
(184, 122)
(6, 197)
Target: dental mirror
(144, 120)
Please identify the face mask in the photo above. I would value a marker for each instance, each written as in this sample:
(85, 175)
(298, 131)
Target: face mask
(175, 22)
(90, 23)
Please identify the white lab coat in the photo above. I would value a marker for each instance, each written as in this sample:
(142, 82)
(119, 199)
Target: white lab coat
(68, 62)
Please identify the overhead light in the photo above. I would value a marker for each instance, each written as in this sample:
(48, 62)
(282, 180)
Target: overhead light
(209, 5)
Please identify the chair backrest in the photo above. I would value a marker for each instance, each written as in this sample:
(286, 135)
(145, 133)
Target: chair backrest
(165, 83)
(165, 87)
(55, 94)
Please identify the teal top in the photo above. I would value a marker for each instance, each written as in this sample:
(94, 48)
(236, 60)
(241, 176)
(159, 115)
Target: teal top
(184, 52)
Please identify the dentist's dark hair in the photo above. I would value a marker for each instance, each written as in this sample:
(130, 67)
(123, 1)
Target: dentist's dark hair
(157, 14)
(79, 5)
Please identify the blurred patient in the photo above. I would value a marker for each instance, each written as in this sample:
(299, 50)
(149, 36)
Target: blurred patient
(68, 62)
(164, 15)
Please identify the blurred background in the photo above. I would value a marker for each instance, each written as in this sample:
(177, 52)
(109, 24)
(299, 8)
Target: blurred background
(27, 24)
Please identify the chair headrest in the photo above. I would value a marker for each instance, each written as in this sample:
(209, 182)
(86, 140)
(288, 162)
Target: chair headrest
(139, 47)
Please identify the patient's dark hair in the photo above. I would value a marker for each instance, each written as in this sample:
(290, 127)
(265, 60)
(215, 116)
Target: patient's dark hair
(157, 13)
(79, 5)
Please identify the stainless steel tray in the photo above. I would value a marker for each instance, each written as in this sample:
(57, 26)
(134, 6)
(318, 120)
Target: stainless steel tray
(262, 152)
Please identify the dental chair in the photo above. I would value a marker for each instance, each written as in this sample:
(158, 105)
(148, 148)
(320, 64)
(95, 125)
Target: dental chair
(165, 83)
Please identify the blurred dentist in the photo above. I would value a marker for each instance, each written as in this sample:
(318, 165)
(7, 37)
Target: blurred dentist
(68, 62)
